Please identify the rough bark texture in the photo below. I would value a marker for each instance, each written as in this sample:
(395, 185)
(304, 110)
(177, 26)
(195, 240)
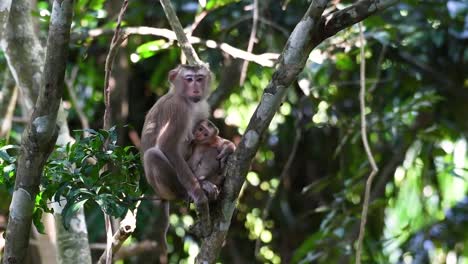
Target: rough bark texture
(41, 133)
(72, 244)
(23, 51)
(25, 55)
(4, 13)
(309, 32)
(188, 50)
(8, 97)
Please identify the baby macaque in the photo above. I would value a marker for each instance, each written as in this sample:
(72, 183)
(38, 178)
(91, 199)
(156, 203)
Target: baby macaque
(209, 156)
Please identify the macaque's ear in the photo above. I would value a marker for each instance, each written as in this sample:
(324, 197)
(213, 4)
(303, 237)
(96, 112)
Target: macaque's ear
(173, 74)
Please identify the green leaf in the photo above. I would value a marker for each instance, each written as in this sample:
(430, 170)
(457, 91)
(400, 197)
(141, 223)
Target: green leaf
(110, 205)
(212, 4)
(70, 210)
(344, 62)
(37, 216)
(149, 49)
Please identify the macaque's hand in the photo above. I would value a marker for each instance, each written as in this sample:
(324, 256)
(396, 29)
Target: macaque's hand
(211, 190)
(225, 149)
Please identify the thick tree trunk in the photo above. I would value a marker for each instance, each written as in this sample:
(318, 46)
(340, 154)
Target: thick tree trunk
(25, 58)
(41, 133)
(8, 98)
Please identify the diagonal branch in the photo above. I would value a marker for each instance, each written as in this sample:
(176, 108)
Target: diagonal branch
(344, 18)
(185, 45)
(291, 63)
(308, 33)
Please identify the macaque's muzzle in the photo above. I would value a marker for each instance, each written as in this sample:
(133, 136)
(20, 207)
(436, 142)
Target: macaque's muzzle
(196, 98)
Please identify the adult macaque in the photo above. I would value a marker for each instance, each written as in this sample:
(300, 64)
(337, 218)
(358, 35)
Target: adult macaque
(165, 142)
(208, 157)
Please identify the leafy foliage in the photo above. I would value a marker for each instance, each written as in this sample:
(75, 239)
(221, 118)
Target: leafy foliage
(93, 169)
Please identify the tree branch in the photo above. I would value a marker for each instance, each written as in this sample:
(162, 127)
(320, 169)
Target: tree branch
(8, 97)
(341, 19)
(113, 242)
(20, 44)
(5, 6)
(39, 137)
(365, 142)
(252, 37)
(127, 227)
(185, 45)
(291, 63)
(266, 59)
(308, 33)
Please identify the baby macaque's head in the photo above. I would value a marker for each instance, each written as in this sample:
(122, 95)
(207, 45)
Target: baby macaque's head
(204, 132)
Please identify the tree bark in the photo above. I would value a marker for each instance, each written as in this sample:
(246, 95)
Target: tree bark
(40, 135)
(5, 6)
(308, 33)
(23, 51)
(8, 98)
(25, 55)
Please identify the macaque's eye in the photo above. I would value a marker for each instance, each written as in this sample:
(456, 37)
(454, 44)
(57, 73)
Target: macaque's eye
(200, 129)
(189, 79)
(199, 79)
(206, 135)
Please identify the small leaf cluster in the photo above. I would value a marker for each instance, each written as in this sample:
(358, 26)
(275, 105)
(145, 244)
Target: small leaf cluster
(7, 164)
(93, 169)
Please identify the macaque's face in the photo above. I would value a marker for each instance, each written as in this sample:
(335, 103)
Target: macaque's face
(203, 132)
(192, 83)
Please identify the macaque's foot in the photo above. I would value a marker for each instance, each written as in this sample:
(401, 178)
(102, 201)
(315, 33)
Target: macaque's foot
(200, 229)
(211, 190)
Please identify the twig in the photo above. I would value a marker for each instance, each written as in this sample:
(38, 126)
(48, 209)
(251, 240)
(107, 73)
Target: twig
(136, 249)
(117, 40)
(365, 206)
(252, 38)
(185, 45)
(127, 227)
(70, 83)
(283, 174)
(265, 59)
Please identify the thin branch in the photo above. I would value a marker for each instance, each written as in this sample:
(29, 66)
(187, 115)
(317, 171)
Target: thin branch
(344, 18)
(116, 41)
(291, 63)
(283, 174)
(127, 227)
(252, 38)
(265, 59)
(136, 249)
(185, 45)
(70, 83)
(365, 206)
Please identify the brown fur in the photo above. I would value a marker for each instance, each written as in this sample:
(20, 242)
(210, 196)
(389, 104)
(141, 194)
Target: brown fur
(165, 140)
(205, 161)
